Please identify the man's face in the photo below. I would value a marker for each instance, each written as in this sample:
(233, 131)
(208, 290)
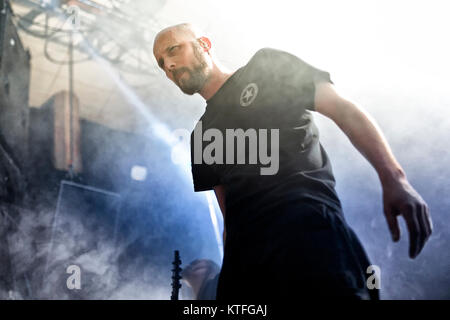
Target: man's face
(182, 59)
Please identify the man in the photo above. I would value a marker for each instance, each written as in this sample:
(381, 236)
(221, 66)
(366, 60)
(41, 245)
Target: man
(202, 276)
(285, 235)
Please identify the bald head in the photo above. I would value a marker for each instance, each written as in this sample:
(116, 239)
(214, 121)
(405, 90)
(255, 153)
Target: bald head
(184, 31)
(177, 33)
(184, 56)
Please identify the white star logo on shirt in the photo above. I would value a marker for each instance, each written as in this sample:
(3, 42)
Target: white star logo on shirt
(249, 94)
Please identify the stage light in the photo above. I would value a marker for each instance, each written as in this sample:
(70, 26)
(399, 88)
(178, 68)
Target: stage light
(138, 173)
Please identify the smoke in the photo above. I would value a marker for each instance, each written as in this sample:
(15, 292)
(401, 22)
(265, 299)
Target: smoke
(414, 117)
(378, 56)
(108, 270)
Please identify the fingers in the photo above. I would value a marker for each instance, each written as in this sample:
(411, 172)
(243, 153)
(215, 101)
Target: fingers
(425, 224)
(412, 223)
(419, 228)
(392, 222)
(428, 221)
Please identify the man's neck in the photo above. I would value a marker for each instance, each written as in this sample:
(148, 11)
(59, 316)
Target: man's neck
(216, 80)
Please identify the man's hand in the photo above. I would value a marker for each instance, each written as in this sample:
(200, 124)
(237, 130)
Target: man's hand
(400, 198)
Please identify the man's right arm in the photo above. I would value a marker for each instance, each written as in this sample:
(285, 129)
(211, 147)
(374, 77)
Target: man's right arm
(220, 194)
(399, 197)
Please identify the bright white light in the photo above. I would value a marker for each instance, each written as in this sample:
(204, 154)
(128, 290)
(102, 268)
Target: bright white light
(138, 173)
(157, 127)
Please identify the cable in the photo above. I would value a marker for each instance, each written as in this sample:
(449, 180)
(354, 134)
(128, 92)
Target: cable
(61, 62)
(119, 54)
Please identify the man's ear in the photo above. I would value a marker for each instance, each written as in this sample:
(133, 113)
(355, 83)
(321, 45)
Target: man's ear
(205, 43)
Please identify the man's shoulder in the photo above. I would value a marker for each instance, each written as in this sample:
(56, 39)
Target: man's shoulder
(260, 60)
(261, 54)
(270, 57)
(269, 53)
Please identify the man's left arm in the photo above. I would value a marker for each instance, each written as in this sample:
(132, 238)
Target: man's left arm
(399, 196)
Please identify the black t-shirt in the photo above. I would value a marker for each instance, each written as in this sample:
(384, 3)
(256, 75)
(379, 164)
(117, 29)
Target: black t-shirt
(274, 90)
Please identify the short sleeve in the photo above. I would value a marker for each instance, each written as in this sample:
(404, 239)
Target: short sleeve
(295, 73)
(203, 175)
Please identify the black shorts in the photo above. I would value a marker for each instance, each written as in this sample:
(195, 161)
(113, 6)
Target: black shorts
(302, 249)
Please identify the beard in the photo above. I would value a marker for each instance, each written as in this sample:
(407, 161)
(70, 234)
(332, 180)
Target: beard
(197, 76)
